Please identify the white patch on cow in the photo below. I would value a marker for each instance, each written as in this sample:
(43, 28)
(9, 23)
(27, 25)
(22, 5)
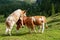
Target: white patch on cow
(42, 27)
(17, 12)
(41, 19)
(9, 18)
(10, 32)
(33, 18)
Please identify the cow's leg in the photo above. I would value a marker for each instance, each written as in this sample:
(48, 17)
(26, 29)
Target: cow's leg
(11, 26)
(33, 27)
(17, 28)
(6, 30)
(10, 30)
(30, 31)
(34, 30)
(42, 27)
(29, 28)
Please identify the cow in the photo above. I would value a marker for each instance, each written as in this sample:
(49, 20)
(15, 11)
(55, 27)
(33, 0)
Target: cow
(41, 22)
(12, 19)
(32, 21)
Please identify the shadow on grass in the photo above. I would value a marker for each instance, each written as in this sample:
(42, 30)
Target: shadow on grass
(19, 34)
(15, 34)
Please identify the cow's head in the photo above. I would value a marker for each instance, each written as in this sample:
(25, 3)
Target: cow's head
(23, 13)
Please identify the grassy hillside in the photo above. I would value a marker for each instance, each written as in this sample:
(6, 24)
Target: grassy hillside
(52, 33)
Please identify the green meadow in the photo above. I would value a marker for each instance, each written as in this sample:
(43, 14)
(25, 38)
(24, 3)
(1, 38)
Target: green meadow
(52, 33)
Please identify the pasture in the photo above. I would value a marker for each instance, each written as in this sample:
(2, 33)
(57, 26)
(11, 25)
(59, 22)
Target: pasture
(52, 33)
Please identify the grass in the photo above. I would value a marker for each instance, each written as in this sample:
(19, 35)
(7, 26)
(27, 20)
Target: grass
(52, 33)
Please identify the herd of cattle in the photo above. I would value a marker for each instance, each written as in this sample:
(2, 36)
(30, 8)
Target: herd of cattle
(19, 18)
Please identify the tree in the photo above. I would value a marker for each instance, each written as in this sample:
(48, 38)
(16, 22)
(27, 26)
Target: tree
(53, 9)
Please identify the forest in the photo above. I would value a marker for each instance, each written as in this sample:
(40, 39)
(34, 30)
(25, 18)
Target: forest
(39, 7)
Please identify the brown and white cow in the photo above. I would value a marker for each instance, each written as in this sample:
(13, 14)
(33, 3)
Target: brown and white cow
(30, 22)
(40, 21)
(12, 19)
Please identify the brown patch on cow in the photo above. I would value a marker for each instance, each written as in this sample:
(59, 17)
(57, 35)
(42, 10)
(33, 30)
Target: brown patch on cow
(26, 21)
(18, 24)
(7, 24)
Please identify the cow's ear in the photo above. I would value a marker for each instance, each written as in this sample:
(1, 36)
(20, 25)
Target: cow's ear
(24, 11)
